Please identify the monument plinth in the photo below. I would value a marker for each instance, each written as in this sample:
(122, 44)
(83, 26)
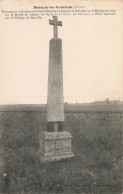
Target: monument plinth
(55, 143)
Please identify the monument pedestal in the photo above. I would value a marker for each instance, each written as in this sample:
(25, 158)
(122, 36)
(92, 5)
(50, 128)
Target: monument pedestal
(55, 145)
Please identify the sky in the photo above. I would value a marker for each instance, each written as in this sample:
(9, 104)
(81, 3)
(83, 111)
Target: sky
(92, 54)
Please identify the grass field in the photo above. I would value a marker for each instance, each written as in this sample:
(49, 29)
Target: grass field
(96, 167)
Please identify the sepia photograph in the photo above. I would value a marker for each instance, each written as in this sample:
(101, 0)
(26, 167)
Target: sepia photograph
(61, 97)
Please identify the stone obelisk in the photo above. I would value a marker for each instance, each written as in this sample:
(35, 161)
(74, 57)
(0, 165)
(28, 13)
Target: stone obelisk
(55, 143)
(55, 104)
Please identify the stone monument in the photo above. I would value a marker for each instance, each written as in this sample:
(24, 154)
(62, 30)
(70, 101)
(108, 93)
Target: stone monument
(55, 143)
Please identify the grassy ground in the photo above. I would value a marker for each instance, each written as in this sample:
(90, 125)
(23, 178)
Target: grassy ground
(96, 167)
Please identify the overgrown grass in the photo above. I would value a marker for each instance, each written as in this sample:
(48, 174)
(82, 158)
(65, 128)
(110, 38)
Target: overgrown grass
(96, 167)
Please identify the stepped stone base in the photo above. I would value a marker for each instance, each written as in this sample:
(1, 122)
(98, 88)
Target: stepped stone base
(55, 146)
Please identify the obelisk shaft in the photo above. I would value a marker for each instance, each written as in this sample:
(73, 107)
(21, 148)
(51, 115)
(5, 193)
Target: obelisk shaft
(55, 103)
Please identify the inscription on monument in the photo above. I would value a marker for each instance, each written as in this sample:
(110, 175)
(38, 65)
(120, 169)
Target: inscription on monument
(60, 144)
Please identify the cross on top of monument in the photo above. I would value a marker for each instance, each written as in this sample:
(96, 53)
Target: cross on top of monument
(55, 23)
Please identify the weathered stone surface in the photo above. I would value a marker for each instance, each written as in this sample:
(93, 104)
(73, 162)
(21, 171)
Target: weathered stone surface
(55, 146)
(55, 103)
